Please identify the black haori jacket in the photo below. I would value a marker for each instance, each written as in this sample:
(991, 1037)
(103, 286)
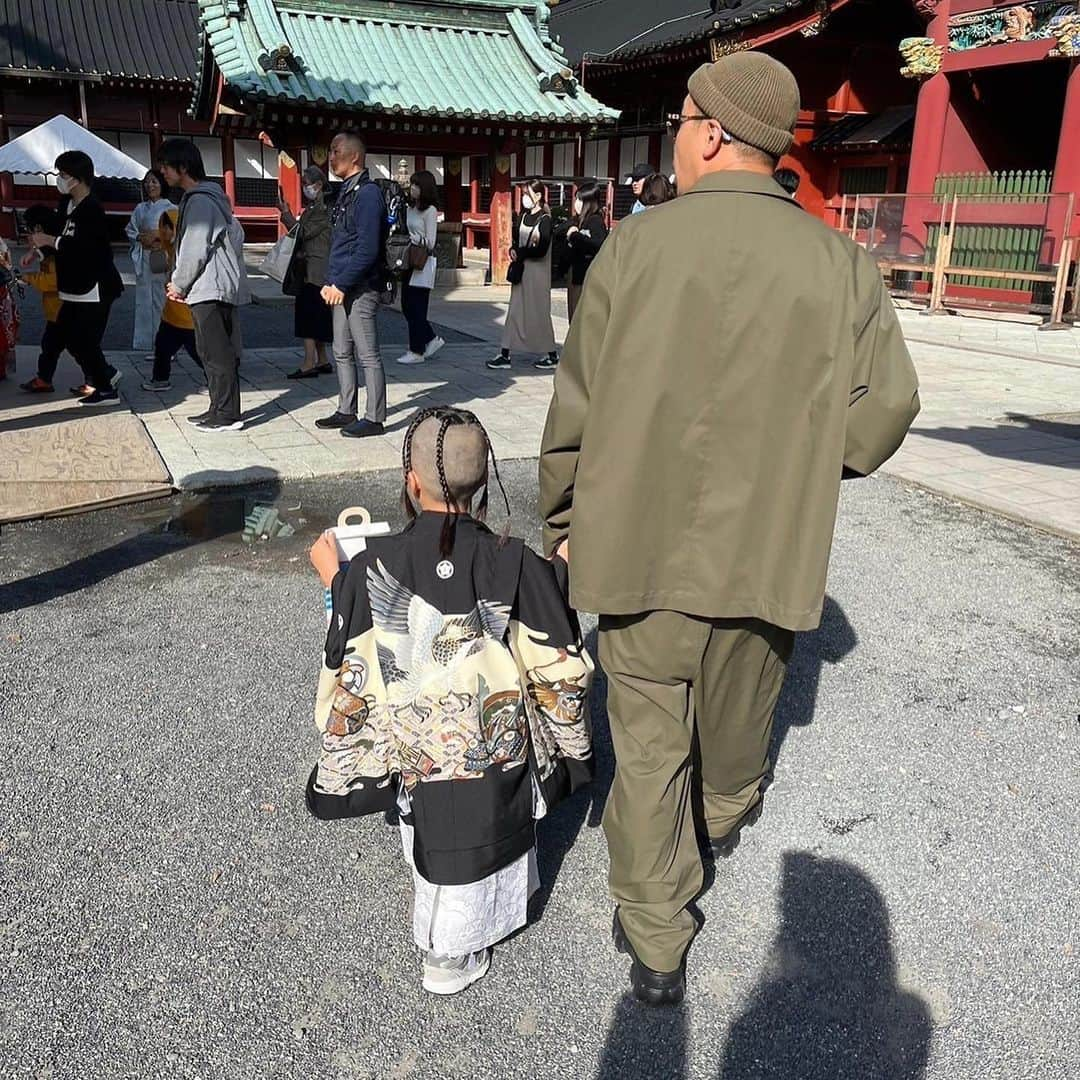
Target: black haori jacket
(462, 679)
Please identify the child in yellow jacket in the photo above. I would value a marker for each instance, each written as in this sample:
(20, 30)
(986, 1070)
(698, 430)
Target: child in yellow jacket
(176, 330)
(44, 281)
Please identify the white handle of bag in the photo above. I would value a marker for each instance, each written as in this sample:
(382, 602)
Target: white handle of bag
(351, 512)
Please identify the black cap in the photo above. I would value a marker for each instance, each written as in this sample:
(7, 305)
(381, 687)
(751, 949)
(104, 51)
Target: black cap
(641, 171)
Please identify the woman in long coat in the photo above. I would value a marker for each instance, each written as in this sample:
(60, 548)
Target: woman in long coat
(313, 319)
(142, 232)
(528, 322)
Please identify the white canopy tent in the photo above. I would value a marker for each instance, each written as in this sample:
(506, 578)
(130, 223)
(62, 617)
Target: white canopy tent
(37, 150)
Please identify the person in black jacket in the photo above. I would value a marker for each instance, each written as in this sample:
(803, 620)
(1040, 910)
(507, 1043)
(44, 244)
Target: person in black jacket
(87, 278)
(528, 322)
(586, 233)
(313, 319)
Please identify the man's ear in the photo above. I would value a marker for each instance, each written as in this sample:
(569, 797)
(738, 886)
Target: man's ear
(413, 485)
(714, 143)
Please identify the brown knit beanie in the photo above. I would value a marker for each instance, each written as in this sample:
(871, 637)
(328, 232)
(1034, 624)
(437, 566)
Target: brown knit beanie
(754, 97)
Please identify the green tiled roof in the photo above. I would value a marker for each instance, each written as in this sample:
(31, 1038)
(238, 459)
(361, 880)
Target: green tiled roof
(484, 59)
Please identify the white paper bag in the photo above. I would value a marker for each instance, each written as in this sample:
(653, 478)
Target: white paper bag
(352, 539)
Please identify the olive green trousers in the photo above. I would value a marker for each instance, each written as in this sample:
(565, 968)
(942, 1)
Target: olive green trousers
(672, 677)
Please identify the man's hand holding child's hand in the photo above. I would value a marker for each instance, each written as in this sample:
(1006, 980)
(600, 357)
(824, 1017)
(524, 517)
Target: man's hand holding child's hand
(324, 557)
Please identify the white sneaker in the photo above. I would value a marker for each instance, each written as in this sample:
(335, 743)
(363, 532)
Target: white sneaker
(433, 346)
(452, 974)
(410, 358)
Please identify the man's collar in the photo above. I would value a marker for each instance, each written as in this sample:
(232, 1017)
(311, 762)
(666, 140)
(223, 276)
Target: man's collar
(752, 183)
(352, 181)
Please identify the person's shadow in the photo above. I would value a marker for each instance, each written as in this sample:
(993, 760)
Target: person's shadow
(828, 1007)
(830, 643)
(644, 1041)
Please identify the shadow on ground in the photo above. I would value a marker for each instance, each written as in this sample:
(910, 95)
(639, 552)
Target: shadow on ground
(828, 1006)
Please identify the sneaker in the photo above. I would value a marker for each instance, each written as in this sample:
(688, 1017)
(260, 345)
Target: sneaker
(433, 346)
(100, 397)
(149, 359)
(650, 987)
(452, 974)
(499, 363)
(411, 358)
(361, 429)
(38, 386)
(81, 391)
(156, 384)
(114, 382)
(548, 363)
(198, 418)
(211, 425)
(338, 420)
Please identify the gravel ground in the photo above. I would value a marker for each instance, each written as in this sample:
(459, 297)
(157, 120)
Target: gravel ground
(907, 906)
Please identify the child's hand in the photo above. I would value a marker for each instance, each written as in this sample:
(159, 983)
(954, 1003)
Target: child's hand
(324, 557)
(28, 260)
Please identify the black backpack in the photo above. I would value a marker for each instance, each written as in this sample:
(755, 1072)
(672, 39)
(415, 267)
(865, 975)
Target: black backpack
(397, 235)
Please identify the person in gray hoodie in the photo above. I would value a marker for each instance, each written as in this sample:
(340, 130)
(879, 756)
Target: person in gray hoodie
(209, 276)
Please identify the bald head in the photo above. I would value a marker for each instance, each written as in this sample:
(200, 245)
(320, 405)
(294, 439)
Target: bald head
(347, 153)
(464, 459)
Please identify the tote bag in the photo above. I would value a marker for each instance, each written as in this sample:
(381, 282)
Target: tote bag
(275, 264)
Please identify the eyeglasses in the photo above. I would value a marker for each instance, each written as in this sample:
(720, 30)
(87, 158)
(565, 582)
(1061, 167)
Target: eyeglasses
(676, 120)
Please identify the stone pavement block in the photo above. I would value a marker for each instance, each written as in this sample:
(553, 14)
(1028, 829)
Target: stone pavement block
(1061, 489)
(279, 440)
(1019, 495)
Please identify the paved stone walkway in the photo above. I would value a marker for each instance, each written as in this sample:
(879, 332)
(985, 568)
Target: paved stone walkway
(998, 427)
(988, 432)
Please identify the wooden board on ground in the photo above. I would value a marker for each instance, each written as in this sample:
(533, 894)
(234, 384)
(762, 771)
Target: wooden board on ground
(58, 457)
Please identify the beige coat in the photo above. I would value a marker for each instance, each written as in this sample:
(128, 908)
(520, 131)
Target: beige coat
(730, 356)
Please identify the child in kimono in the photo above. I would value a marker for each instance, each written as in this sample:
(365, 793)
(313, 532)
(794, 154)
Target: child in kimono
(455, 690)
(43, 279)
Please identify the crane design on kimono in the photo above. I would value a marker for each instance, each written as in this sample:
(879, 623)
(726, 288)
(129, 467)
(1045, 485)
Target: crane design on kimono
(426, 646)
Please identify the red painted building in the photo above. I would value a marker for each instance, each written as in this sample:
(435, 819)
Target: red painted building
(1005, 96)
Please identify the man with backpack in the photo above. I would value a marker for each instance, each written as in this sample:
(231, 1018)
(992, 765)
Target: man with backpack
(355, 278)
(210, 277)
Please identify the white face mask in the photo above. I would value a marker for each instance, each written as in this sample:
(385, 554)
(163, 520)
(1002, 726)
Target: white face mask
(528, 202)
(64, 185)
(578, 207)
(311, 191)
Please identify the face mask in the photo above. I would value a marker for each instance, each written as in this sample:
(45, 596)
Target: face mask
(578, 207)
(63, 185)
(311, 191)
(528, 202)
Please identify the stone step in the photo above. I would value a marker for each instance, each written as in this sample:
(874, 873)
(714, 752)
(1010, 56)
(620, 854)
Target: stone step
(469, 275)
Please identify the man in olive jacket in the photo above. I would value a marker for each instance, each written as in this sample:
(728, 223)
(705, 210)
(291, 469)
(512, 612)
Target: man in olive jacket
(731, 358)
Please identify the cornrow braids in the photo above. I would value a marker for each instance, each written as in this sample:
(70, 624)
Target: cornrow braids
(406, 455)
(448, 417)
(446, 537)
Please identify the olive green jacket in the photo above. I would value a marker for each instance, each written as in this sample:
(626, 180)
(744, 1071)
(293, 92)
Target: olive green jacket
(729, 358)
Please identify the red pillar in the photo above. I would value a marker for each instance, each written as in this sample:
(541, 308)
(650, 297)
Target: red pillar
(1067, 164)
(501, 217)
(228, 165)
(927, 143)
(452, 187)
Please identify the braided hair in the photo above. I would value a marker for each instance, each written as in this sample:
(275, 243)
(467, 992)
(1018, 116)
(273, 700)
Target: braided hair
(449, 416)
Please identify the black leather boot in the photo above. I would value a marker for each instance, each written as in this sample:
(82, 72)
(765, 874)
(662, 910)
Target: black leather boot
(650, 987)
